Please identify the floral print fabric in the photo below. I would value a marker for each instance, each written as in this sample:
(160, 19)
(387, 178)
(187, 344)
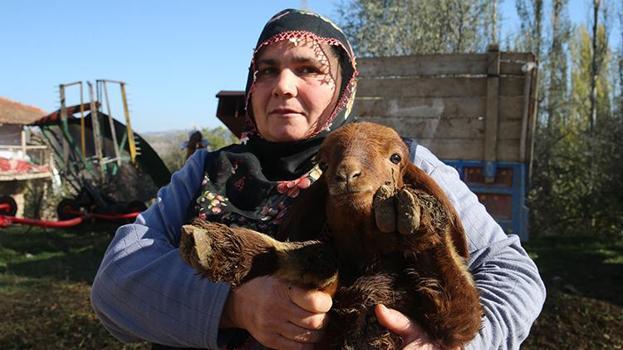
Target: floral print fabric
(212, 205)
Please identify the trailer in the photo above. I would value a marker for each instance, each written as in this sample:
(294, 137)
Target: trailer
(476, 112)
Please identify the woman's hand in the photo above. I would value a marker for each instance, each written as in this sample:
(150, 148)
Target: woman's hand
(278, 315)
(412, 335)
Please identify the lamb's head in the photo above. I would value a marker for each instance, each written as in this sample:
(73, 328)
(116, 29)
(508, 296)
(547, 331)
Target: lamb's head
(359, 158)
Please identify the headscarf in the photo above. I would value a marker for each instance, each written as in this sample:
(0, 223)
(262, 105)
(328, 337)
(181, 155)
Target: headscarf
(253, 184)
(289, 159)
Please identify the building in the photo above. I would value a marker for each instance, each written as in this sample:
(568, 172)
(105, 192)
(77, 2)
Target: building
(21, 161)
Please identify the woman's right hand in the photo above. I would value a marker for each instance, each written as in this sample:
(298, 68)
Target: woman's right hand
(277, 314)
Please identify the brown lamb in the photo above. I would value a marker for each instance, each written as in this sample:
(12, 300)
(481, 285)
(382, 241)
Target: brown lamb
(374, 229)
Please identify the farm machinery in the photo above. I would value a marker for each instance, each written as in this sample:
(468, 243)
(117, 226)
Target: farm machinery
(109, 171)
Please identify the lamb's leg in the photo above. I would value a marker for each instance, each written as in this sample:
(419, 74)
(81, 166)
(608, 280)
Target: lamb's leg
(448, 304)
(352, 320)
(236, 255)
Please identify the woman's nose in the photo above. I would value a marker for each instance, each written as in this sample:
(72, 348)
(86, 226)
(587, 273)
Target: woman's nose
(285, 84)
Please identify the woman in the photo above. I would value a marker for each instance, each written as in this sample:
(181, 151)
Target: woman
(300, 87)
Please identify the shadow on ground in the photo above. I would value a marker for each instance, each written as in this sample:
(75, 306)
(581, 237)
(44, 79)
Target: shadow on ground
(67, 255)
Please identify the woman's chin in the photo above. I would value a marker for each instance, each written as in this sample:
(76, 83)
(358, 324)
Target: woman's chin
(286, 135)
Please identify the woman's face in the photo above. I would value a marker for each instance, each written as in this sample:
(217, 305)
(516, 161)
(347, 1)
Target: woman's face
(296, 88)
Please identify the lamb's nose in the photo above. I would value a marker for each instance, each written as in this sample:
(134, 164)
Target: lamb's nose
(348, 172)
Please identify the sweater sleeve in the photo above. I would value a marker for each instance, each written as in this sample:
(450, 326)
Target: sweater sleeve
(511, 290)
(143, 290)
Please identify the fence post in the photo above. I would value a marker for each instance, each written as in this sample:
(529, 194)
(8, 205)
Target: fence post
(491, 121)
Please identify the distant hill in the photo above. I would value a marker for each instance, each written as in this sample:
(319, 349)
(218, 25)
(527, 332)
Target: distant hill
(164, 141)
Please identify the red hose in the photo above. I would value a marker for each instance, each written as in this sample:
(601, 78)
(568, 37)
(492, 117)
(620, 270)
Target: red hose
(111, 217)
(6, 221)
(5, 206)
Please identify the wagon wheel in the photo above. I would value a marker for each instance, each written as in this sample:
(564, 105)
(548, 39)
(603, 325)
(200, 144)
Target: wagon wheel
(135, 206)
(8, 206)
(66, 209)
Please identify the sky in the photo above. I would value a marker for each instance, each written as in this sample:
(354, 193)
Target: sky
(175, 56)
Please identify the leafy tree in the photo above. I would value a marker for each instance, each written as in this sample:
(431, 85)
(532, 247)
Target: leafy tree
(218, 137)
(531, 22)
(557, 65)
(403, 27)
(582, 75)
(174, 156)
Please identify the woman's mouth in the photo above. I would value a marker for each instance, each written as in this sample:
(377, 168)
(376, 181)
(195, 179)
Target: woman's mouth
(285, 112)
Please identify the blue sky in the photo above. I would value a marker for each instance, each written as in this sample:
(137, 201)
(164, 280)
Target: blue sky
(174, 55)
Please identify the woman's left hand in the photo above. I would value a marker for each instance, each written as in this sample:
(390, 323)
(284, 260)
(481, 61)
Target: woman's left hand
(412, 335)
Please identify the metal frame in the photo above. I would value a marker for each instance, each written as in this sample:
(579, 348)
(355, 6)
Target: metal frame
(519, 222)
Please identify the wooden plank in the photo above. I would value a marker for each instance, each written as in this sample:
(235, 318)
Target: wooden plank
(447, 128)
(511, 86)
(511, 108)
(532, 119)
(470, 149)
(511, 68)
(517, 56)
(491, 118)
(437, 87)
(420, 107)
(443, 64)
(422, 87)
(416, 65)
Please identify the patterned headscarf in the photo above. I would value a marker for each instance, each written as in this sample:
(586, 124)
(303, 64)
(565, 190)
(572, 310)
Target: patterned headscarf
(253, 184)
(298, 26)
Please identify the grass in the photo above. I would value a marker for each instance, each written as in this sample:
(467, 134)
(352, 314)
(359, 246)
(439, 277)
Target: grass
(45, 276)
(584, 306)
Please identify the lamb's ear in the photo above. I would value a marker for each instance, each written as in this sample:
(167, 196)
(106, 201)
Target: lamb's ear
(418, 178)
(306, 217)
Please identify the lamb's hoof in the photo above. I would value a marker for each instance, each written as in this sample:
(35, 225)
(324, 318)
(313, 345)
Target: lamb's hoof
(196, 246)
(385, 209)
(408, 212)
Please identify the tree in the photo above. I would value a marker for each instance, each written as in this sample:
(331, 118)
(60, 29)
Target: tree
(174, 156)
(403, 27)
(218, 137)
(621, 62)
(531, 26)
(557, 66)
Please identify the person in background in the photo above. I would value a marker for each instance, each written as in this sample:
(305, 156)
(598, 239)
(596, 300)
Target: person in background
(195, 142)
(301, 86)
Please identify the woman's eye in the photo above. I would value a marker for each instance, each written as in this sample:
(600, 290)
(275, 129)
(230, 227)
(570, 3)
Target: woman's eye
(266, 71)
(395, 158)
(309, 70)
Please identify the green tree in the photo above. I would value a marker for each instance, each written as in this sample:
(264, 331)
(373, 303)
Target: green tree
(403, 27)
(582, 74)
(218, 137)
(174, 156)
(530, 37)
(557, 66)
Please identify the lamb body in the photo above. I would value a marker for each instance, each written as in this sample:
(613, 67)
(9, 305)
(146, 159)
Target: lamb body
(375, 220)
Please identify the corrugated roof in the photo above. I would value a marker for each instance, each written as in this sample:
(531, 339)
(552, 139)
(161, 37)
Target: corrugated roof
(12, 112)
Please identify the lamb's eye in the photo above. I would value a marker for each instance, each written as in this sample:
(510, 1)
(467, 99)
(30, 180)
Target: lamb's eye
(395, 158)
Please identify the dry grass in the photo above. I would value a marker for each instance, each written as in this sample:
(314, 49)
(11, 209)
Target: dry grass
(45, 278)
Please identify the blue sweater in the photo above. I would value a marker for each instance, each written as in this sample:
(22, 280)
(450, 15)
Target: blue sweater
(144, 291)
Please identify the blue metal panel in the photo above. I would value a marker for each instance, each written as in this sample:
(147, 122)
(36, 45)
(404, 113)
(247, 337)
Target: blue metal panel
(518, 191)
